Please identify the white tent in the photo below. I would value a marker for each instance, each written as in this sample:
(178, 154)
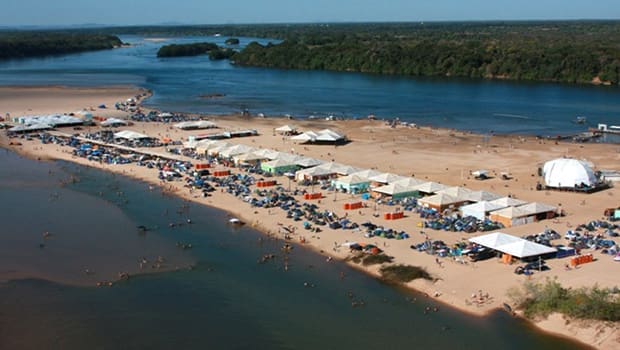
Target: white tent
(458, 192)
(387, 178)
(247, 157)
(480, 196)
(305, 137)
(479, 210)
(439, 201)
(409, 182)
(307, 162)
(286, 129)
(524, 248)
(198, 124)
(30, 127)
(368, 173)
(568, 173)
(235, 150)
(329, 135)
(114, 122)
(494, 240)
(430, 187)
(129, 135)
(508, 202)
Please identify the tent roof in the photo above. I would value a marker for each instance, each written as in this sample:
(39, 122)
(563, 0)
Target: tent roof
(508, 202)
(394, 189)
(245, 157)
(337, 168)
(409, 182)
(494, 240)
(479, 196)
(114, 121)
(308, 162)
(512, 245)
(524, 248)
(367, 173)
(278, 163)
(439, 199)
(286, 128)
(430, 187)
(511, 212)
(52, 120)
(198, 124)
(387, 178)
(305, 137)
(130, 135)
(30, 127)
(537, 208)
(483, 206)
(458, 192)
(352, 180)
(235, 150)
(565, 172)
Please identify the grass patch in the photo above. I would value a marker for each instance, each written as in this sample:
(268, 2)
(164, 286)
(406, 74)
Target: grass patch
(376, 259)
(542, 299)
(404, 273)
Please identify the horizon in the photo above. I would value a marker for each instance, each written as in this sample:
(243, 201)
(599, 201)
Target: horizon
(113, 13)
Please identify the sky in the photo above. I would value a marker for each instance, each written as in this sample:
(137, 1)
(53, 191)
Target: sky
(143, 12)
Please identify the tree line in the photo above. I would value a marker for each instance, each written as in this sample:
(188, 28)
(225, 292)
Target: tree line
(561, 52)
(34, 44)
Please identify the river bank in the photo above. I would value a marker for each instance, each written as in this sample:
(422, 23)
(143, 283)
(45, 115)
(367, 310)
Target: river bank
(444, 156)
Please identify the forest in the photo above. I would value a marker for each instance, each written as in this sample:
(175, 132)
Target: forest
(194, 49)
(14, 45)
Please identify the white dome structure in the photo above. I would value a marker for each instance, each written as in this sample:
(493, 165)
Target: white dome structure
(568, 173)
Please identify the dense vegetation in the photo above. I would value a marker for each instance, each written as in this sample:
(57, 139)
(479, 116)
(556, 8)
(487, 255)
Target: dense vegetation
(32, 44)
(403, 273)
(542, 299)
(177, 50)
(538, 52)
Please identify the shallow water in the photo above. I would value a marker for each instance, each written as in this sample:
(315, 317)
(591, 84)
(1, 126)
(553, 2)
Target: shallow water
(228, 301)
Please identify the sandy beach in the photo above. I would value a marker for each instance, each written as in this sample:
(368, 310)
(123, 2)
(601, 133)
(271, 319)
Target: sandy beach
(440, 155)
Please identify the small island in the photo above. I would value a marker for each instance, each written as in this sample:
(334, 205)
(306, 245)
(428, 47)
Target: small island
(232, 41)
(179, 50)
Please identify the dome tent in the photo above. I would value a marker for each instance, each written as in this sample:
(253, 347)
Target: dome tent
(568, 173)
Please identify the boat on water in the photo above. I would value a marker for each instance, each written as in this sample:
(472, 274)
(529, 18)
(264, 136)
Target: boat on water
(611, 129)
(235, 221)
(581, 120)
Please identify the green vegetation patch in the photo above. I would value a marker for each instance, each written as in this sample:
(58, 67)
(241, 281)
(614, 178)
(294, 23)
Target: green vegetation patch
(542, 299)
(403, 273)
(34, 44)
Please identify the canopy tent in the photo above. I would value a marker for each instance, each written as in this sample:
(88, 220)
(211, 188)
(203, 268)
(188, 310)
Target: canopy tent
(215, 149)
(30, 127)
(460, 193)
(568, 173)
(429, 187)
(308, 136)
(508, 202)
(267, 153)
(286, 129)
(525, 249)
(480, 196)
(409, 182)
(523, 214)
(479, 210)
(386, 178)
(130, 135)
(352, 183)
(110, 122)
(328, 135)
(494, 240)
(250, 157)
(440, 201)
(53, 120)
(512, 245)
(198, 124)
(235, 150)
(397, 190)
(307, 162)
(279, 166)
(367, 173)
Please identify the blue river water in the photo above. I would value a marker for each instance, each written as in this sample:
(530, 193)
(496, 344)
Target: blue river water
(481, 106)
(227, 301)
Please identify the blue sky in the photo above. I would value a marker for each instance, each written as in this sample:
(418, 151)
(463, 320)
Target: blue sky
(138, 12)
